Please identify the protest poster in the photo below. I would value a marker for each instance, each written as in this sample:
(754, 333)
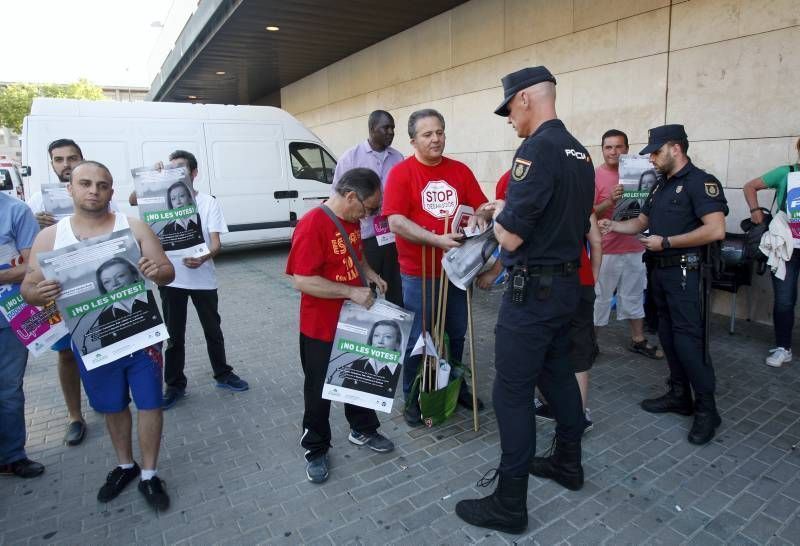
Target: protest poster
(166, 203)
(367, 356)
(793, 203)
(109, 310)
(57, 200)
(637, 176)
(37, 328)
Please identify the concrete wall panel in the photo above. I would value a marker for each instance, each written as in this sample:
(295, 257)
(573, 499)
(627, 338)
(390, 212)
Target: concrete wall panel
(752, 158)
(642, 35)
(532, 21)
(431, 46)
(591, 13)
(739, 88)
(703, 22)
(607, 97)
(478, 30)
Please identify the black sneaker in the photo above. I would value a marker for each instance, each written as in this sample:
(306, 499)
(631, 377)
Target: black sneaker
(154, 494)
(116, 481)
(23, 468)
(171, 397)
(233, 382)
(543, 411)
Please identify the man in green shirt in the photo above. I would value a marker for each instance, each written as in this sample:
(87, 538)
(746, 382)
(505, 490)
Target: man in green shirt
(785, 291)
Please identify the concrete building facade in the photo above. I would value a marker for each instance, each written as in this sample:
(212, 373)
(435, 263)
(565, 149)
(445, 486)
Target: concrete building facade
(728, 70)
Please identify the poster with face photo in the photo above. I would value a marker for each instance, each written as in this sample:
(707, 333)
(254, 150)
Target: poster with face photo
(637, 176)
(57, 200)
(166, 203)
(367, 356)
(108, 307)
(36, 327)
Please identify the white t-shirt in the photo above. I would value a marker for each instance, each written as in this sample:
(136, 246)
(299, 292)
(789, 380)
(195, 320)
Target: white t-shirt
(36, 204)
(204, 277)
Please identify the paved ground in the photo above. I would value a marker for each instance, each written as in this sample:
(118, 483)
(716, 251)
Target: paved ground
(234, 468)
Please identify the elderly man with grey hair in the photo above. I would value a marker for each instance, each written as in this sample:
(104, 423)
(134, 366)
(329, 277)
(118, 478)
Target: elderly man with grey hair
(422, 193)
(326, 272)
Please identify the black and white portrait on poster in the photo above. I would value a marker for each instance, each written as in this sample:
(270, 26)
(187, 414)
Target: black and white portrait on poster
(367, 356)
(107, 304)
(166, 203)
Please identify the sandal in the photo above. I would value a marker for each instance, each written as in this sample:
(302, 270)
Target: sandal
(644, 348)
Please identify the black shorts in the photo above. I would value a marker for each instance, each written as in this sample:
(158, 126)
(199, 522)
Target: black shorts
(582, 334)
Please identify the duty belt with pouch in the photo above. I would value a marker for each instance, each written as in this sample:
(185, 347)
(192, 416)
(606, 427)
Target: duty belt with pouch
(687, 262)
(519, 276)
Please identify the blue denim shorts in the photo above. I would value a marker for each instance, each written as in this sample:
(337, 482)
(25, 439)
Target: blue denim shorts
(110, 387)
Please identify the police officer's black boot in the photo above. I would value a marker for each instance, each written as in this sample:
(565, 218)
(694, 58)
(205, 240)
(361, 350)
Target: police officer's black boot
(562, 466)
(678, 399)
(706, 420)
(505, 510)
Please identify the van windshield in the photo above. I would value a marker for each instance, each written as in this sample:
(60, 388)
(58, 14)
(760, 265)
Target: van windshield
(311, 162)
(5, 180)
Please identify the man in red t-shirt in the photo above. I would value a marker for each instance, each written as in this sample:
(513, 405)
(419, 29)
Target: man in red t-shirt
(422, 192)
(324, 271)
(582, 333)
(622, 271)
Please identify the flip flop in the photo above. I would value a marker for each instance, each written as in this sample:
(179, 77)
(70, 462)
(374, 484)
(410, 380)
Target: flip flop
(644, 348)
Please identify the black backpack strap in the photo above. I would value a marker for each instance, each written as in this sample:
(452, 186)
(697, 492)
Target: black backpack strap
(347, 243)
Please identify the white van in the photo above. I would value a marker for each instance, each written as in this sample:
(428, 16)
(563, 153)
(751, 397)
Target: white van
(10, 181)
(262, 164)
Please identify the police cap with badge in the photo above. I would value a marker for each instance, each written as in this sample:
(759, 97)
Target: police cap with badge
(521, 79)
(658, 136)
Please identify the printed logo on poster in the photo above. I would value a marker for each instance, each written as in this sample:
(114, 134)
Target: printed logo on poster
(439, 199)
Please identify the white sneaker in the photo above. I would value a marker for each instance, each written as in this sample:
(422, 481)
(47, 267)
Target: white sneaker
(778, 356)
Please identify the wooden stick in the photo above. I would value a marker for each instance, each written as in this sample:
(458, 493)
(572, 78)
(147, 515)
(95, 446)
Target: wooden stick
(443, 285)
(434, 318)
(424, 327)
(475, 423)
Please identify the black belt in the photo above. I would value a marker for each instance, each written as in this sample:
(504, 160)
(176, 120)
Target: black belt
(567, 268)
(690, 261)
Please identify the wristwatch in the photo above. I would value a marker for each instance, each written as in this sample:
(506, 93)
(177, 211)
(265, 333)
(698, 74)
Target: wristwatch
(665, 243)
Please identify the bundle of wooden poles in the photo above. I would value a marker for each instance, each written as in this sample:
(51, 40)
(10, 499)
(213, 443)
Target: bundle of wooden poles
(430, 363)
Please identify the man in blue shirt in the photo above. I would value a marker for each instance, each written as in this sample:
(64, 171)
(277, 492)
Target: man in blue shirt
(18, 229)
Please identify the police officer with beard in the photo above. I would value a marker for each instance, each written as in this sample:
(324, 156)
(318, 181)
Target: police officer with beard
(684, 212)
(541, 228)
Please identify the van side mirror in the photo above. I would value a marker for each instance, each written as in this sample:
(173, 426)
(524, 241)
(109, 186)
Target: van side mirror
(25, 170)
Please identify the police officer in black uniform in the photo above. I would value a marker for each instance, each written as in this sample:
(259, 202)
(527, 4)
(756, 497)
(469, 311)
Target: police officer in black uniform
(684, 212)
(541, 228)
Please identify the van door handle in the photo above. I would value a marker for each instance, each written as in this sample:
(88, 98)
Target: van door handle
(286, 194)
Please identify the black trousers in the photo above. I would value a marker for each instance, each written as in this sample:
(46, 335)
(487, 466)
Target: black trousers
(383, 260)
(174, 302)
(680, 327)
(532, 348)
(316, 440)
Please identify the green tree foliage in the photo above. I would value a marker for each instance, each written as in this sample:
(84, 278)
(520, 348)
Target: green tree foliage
(16, 98)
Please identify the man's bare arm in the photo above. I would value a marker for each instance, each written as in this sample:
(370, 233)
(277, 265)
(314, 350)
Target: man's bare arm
(595, 245)
(35, 289)
(154, 263)
(411, 231)
(628, 227)
(321, 287)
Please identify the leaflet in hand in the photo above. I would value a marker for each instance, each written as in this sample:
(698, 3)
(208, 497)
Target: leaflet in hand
(367, 356)
(638, 176)
(105, 301)
(166, 203)
(37, 328)
(57, 200)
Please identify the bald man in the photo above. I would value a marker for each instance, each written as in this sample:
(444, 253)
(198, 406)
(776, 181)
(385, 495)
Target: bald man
(541, 227)
(110, 387)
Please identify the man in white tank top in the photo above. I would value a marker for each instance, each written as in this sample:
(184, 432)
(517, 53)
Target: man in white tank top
(110, 387)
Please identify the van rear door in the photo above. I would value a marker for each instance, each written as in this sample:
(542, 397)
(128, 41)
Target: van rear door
(248, 176)
(312, 175)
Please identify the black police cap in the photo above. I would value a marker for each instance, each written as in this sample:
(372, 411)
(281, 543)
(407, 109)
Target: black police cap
(658, 136)
(519, 80)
